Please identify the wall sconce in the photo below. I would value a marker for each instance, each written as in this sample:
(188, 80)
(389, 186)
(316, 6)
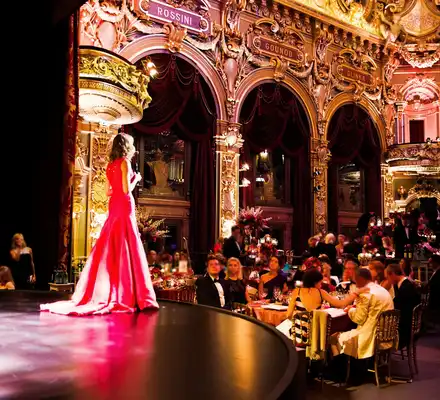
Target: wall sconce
(264, 154)
(245, 167)
(150, 68)
(245, 182)
(317, 189)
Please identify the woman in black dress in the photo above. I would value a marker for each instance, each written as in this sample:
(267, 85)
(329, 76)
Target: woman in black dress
(22, 263)
(234, 278)
(274, 278)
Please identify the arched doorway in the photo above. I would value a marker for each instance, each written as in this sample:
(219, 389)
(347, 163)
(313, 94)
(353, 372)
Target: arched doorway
(176, 158)
(354, 176)
(276, 147)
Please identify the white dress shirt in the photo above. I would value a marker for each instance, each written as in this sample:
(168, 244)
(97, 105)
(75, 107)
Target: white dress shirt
(221, 293)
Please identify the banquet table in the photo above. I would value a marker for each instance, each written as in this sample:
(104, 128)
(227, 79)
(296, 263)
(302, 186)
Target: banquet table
(185, 294)
(271, 317)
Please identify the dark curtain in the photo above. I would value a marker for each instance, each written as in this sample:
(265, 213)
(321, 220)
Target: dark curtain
(33, 128)
(183, 102)
(69, 142)
(354, 139)
(417, 131)
(272, 118)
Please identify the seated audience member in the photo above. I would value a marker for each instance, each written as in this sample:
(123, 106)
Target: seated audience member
(340, 246)
(310, 296)
(359, 342)
(377, 270)
(405, 264)
(388, 249)
(328, 283)
(330, 247)
(406, 298)
(274, 278)
(231, 245)
(348, 276)
(434, 283)
(354, 247)
(222, 260)
(218, 247)
(152, 259)
(6, 281)
(212, 290)
(316, 247)
(234, 279)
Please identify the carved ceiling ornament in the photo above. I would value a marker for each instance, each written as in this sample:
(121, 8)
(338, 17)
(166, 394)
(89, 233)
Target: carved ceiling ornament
(421, 87)
(424, 60)
(423, 190)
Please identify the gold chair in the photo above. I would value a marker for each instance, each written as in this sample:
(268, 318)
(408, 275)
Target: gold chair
(387, 339)
(410, 351)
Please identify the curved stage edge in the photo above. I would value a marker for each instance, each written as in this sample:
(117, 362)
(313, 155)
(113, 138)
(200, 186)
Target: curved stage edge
(182, 351)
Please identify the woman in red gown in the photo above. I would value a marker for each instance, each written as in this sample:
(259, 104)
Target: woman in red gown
(116, 277)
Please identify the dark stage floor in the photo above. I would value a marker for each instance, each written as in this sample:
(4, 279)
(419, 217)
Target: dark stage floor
(183, 351)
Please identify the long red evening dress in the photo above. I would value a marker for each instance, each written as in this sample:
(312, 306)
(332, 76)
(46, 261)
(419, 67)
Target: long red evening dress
(116, 277)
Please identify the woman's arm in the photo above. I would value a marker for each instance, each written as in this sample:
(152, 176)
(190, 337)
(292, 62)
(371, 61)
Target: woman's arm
(108, 188)
(14, 255)
(285, 288)
(10, 286)
(260, 287)
(291, 308)
(128, 186)
(336, 302)
(34, 277)
(246, 295)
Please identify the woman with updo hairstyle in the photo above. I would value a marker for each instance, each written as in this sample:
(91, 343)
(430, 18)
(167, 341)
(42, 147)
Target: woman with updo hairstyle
(311, 296)
(116, 277)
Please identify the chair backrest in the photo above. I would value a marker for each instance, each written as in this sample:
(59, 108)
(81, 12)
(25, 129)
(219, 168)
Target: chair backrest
(388, 329)
(424, 298)
(301, 328)
(416, 324)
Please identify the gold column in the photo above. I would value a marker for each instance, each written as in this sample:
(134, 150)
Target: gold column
(228, 143)
(319, 165)
(387, 190)
(90, 200)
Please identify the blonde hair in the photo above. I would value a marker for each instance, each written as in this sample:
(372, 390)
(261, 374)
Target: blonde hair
(14, 238)
(240, 272)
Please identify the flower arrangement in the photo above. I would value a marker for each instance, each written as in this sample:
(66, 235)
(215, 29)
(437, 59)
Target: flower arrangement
(148, 227)
(252, 217)
(268, 246)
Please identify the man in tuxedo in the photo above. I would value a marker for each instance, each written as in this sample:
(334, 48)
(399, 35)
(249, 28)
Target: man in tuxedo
(406, 298)
(212, 290)
(231, 246)
(403, 235)
(354, 247)
(316, 247)
(434, 283)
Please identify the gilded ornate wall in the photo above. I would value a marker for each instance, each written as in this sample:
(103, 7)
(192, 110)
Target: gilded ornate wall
(329, 53)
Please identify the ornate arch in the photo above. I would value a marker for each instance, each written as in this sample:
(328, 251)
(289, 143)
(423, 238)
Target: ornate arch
(348, 98)
(414, 196)
(155, 43)
(263, 75)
